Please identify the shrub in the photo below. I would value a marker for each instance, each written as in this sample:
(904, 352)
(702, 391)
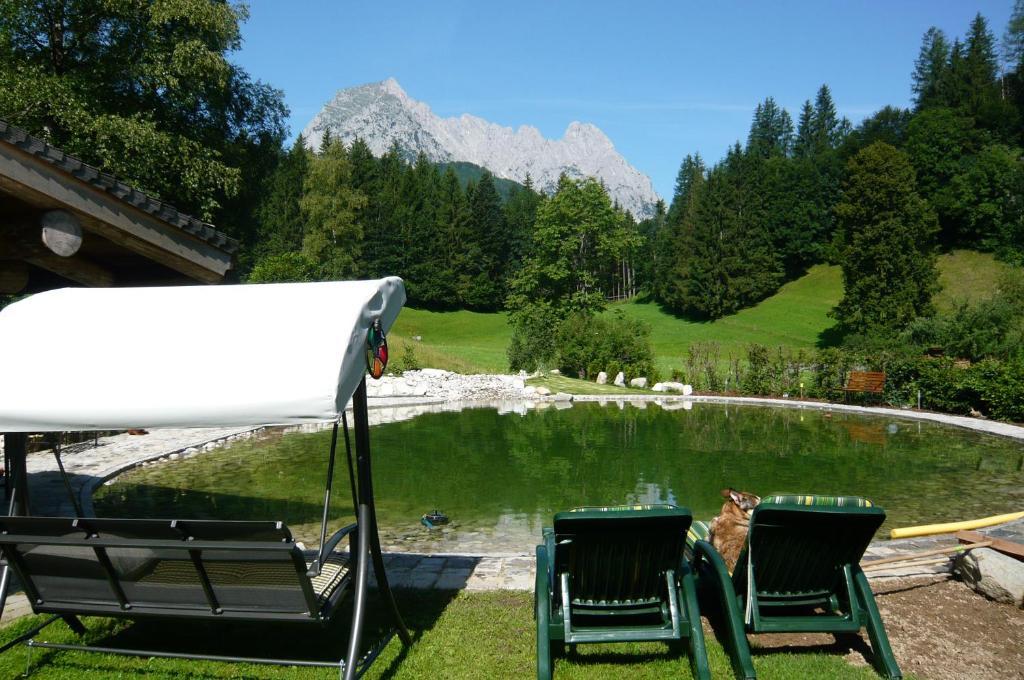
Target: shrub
(283, 268)
(588, 344)
(409, 361)
(758, 378)
(534, 337)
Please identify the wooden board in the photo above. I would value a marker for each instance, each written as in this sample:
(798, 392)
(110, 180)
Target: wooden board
(1001, 544)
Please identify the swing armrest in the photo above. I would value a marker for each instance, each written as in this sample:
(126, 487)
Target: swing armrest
(329, 547)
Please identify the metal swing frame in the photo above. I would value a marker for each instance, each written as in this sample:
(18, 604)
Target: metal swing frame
(367, 547)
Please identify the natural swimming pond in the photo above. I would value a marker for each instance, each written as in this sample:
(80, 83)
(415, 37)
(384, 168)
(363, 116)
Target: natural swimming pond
(501, 477)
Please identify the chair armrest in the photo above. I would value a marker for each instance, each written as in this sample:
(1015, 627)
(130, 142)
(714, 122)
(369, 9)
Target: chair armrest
(703, 551)
(735, 641)
(549, 545)
(329, 547)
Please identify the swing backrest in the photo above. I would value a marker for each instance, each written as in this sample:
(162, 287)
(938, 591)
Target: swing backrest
(142, 567)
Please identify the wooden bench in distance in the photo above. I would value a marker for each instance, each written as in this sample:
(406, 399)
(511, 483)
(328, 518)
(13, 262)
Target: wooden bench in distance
(872, 382)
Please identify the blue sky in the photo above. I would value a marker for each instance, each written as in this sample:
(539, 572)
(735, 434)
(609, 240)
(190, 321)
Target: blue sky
(662, 79)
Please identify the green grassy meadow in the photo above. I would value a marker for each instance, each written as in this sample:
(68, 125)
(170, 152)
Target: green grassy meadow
(796, 318)
(463, 635)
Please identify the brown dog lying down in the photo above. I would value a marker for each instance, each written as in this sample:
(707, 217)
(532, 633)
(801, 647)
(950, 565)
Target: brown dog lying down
(729, 529)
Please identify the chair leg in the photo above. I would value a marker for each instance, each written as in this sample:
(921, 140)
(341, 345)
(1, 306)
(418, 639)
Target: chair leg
(712, 568)
(882, 659)
(698, 649)
(74, 624)
(542, 611)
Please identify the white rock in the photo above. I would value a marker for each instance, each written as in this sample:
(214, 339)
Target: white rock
(419, 389)
(993, 574)
(602, 378)
(518, 383)
(620, 379)
(638, 382)
(433, 372)
(687, 390)
(555, 371)
(385, 389)
(670, 387)
(563, 396)
(529, 391)
(543, 391)
(659, 387)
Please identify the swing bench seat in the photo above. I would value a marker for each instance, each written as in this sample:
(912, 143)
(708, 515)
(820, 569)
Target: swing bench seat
(175, 569)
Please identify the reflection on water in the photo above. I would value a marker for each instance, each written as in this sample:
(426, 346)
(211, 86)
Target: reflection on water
(500, 476)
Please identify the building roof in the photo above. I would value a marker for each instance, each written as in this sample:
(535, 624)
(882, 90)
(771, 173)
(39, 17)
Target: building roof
(116, 188)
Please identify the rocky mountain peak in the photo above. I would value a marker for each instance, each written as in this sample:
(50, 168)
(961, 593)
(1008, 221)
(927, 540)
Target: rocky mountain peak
(382, 114)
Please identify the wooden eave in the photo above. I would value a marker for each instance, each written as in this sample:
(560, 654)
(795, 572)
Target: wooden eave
(45, 178)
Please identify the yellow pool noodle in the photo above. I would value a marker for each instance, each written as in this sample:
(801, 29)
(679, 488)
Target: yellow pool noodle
(950, 527)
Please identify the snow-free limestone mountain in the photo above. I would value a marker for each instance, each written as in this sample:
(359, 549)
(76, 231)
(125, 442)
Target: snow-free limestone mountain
(383, 114)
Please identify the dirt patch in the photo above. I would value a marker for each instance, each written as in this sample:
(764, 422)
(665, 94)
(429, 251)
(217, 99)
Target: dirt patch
(939, 629)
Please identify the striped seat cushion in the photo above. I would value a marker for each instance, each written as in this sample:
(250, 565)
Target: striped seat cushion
(622, 508)
(813, 499)
(699, 531)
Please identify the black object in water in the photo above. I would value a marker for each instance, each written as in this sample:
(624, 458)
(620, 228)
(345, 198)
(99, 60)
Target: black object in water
(433, 519)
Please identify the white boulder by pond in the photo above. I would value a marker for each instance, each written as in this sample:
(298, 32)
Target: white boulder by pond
(638, 382)
(686, 390)
(602, 378)
(620, 379)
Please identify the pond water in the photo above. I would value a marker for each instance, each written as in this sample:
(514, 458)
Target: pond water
(501, 477)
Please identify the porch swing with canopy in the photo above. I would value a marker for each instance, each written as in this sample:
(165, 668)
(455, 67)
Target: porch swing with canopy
(245, 355)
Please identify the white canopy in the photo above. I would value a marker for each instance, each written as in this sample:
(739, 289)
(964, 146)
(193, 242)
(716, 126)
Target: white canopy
(195, 356)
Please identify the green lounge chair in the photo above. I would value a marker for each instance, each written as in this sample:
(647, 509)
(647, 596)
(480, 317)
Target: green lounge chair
(617, 575)
(799, 572)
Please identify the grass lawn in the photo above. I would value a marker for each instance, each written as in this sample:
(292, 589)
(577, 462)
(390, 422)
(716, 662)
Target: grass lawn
(967, 275)
(561, 383)
(796, 317)
(462, 341)
(478, 635)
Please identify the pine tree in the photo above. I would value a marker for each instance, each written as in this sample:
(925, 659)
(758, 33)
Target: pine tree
(420, 236)
(280, 221)
(930, 69)
(888, 233)
(674, 243)
(489, 247)
(520, 215)
(803, 144)
(981, 64)
(953, 87)
(383, 253)
(825, 125)
(771, 131)
(453, 225)
(1013, 54)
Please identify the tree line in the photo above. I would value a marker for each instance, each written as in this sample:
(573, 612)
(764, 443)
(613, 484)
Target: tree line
(878, 198)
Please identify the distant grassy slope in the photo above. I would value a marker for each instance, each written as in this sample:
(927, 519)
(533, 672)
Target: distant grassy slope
(471, 342)
(967, 275)
(793, 317)
(467, 342)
